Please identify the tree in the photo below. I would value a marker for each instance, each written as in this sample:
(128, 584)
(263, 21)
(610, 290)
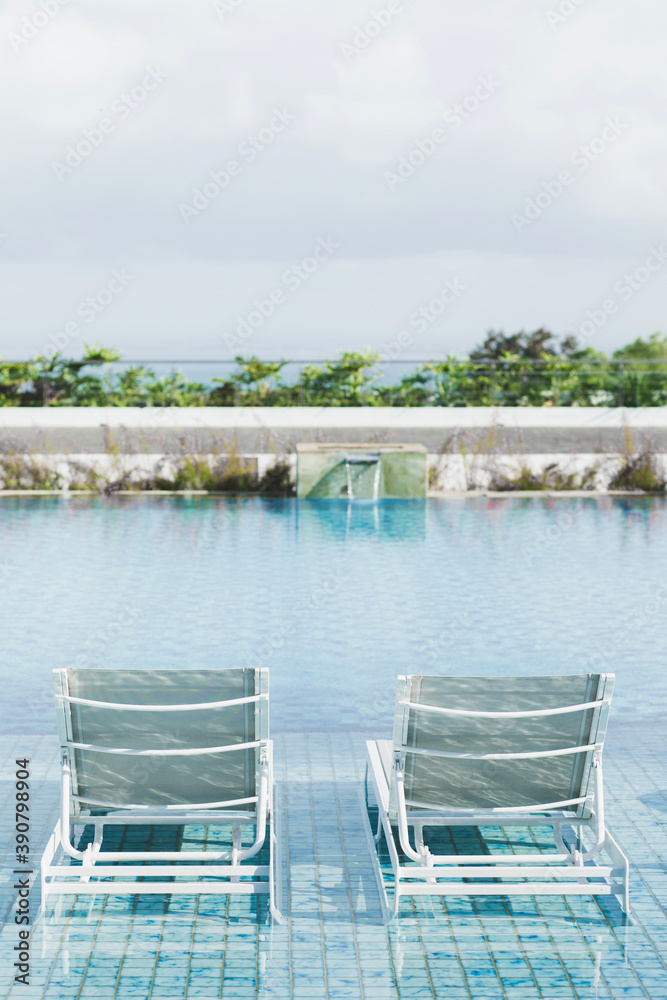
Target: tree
(56, 381)
(653, 349)
(643, 384)
(346, 381)
(528, 346)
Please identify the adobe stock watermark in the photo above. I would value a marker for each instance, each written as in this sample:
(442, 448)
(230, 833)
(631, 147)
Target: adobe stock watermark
(248, 150)
(553, 189)
(125, 619)
(291, 281)
(88, 310)
(379, 710)
(121, 108)
(458, 625)
(565, 9)
(422, 318)
(225, 7)
(454, 117)
(625, 289)
(546, 539)
(365, 33)
(126, 616)
(301, 611)
(208, 532)
(31, 26)
(608, 648)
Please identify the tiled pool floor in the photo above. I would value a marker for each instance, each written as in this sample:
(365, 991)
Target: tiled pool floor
(333, 941)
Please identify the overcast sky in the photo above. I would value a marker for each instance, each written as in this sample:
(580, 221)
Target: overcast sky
(413, 169)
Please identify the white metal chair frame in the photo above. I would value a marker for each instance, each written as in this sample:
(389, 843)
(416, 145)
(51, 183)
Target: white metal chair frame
(225, 864)
(572, 869)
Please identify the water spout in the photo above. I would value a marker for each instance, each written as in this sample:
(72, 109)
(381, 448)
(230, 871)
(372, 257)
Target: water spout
(361, 472)
(356, 468)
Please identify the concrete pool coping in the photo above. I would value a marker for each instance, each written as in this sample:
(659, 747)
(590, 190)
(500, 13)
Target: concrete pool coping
(431, 495)
(269, 430)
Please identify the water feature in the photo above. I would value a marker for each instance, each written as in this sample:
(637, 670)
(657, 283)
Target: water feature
(361, 472)
(363, 476)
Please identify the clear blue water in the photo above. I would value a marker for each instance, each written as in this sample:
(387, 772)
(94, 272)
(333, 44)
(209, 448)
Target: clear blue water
(335, 598)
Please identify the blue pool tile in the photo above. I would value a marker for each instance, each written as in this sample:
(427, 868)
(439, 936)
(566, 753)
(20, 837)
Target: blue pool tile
(547, 948)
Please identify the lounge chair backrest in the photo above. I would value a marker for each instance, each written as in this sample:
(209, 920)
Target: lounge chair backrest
(170, 777)
(443, 751)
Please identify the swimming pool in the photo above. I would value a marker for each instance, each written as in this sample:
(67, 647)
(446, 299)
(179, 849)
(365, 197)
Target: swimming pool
(337, 599)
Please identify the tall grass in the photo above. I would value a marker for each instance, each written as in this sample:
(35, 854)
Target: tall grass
(222, 470)
(641, 469)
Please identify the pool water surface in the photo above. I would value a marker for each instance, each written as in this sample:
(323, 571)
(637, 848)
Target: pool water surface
(336, 599)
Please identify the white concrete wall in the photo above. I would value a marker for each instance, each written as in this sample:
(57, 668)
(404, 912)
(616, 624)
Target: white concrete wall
(539, 430)
(140, 466)
(466, 445)
(308, 417)
(448, 473)
(462, 473)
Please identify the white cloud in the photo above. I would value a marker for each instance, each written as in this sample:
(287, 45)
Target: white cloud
(353, 121)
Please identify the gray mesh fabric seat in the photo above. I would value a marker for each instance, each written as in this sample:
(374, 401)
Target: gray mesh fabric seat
(481, 751)
(163, 747)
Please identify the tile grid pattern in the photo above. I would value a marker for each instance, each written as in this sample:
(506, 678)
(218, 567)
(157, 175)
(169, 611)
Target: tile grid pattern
(333, 943)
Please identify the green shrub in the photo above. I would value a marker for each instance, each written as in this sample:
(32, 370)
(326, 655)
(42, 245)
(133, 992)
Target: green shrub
(19, 471)
(506, 370)
(639, 472)
(551, 477)
(277, 480)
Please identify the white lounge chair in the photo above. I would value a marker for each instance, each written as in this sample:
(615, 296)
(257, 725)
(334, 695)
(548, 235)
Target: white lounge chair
(155, 747)
(497, 751)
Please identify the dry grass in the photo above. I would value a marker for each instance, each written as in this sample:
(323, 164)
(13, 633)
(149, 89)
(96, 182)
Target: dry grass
(221, 470)
(551, 477)
(20, 471)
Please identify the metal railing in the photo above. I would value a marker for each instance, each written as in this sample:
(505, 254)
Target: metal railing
(554, 381)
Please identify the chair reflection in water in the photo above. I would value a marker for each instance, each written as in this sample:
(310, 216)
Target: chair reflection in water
(499, 752)
(163, 747)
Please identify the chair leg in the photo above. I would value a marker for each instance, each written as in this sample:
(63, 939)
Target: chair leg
(276, 863)
(47, 858)
(422, 849)
(236, 847)
(397, 899)
(418, 829)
